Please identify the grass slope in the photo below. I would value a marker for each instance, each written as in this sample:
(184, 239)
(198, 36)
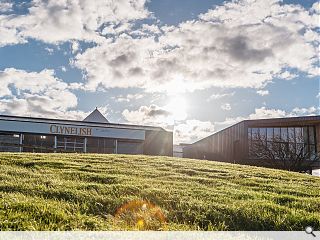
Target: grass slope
(83, 192)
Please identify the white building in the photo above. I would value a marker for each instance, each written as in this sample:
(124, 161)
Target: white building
(95, 134)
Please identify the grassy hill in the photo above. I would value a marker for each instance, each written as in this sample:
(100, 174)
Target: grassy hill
(85, 192)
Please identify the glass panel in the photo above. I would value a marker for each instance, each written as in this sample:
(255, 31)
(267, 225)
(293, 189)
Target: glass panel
(269, 134)
(312, 152)
(38, 143)
(101, 145)
(291, 136)
(255, 133)
(70, 144)
(284, 134)
(292, 149)
(276, 134)
(299, 135)
(130, 147)
(300, 149)
(9, 143)
(263, 133)
(311, 135)
(284, 149)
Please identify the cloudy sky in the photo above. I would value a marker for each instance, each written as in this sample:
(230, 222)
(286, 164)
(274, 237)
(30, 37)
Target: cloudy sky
(190, 66)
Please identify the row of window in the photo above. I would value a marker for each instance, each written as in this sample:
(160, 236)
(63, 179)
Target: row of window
(38, 143)
(284, 134)
(289, 140)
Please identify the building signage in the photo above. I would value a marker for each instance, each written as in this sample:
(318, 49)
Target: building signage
(67, 130)
(73, 130)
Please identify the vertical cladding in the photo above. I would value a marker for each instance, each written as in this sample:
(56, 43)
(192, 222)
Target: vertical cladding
(318, 137)
(158, 143)
(219, 146)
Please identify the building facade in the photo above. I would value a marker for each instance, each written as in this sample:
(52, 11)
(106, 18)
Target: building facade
(92, 135)
(238, 143)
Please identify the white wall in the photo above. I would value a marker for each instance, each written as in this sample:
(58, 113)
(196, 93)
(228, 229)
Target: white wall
(316, 172)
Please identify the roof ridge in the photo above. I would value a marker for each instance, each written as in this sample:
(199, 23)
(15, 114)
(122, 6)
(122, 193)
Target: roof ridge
(96, 116)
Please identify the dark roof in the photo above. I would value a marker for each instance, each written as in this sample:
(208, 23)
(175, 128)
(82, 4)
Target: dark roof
(77, 122)
(286, 119)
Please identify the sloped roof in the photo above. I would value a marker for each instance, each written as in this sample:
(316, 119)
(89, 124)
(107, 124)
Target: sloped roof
(96, 116)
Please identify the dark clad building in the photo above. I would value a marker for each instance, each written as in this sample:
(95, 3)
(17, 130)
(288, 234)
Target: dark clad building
(233, 143)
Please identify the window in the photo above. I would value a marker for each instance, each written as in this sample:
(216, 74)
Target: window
(101, 145)
(9, 142)
(298, 135)
(263, 134)
(291, 135)
(284, 134)
(130, 147)
(313, 151)
(311, 135)
(255, 133)
(290, 140)
(269, 134)
(38, 143)
(70, 144)
(277, 134)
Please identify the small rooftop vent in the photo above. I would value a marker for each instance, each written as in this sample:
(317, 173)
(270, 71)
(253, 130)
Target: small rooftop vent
(96, 116)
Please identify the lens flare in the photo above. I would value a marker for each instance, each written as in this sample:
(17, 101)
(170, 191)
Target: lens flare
(140, 215)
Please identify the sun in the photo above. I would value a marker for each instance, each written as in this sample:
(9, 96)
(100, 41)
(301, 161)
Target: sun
(177, 106)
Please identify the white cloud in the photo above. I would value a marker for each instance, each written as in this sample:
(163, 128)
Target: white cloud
(226, 106)
(316, 7)
(263, 92)
(151, 28)
(152, 115)
(128, 98)
(8, 35)
(74, 47)
(239, 44)
(305, 111)
(318, 96)
(186, 131)
(6, 7)
(190, 131)
(116, 29)
(49, 50)
(265, 113)
(219, 95)
(125, 62)
(54, 21)
(286, 75)
(37, 94)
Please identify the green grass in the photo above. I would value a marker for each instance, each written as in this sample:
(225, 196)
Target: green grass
(83, 192)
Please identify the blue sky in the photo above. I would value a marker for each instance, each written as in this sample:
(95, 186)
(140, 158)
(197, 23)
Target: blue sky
(193, 67)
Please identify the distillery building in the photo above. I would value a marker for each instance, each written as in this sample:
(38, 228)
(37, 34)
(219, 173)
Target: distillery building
(263, 142)
(95, 134)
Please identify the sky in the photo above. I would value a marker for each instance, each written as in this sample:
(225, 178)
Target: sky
(192, 67)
